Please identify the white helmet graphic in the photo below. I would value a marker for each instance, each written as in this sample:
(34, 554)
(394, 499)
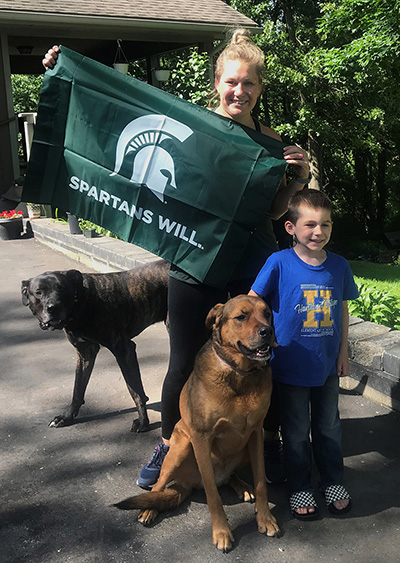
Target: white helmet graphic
(152, 164)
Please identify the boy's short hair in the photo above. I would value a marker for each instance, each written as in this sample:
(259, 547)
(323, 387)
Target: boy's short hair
(311, 198)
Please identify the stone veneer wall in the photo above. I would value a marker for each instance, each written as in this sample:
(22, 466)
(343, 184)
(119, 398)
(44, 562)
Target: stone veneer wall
(374, 352)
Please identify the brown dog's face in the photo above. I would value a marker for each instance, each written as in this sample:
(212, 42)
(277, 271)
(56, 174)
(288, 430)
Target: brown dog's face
(244, 325)
(50, 297)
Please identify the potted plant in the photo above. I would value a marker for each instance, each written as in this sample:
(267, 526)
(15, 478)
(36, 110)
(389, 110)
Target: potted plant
(11, 225)
(120, 63)
(88, 228)
(34, 210)
(73, 223)
(162, 74)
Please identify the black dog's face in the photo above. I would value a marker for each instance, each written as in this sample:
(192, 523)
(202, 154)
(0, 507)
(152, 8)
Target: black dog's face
(50, 297)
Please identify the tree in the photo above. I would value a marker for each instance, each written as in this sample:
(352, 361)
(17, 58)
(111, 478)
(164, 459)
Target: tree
(332, 76)
(361, 59)
(26, 92)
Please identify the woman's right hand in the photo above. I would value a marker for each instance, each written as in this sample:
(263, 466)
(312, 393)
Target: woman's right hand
(50, 58)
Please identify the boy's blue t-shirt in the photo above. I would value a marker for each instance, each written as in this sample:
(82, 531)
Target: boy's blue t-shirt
(306, 302)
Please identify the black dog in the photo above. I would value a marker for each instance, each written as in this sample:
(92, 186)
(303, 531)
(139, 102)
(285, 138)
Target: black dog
(101, 310)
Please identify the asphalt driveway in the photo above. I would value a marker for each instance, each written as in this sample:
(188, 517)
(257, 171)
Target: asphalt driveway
(58, 484)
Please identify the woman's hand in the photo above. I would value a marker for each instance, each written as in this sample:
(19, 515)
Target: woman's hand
(50, 58)
(296, 156)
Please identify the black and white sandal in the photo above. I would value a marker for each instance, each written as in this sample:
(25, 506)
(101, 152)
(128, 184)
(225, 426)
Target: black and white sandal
(303, 499)
(334, 493)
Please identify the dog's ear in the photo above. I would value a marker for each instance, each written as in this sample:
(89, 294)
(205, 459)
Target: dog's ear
(75, 276)
(214, 316)
(24, 291)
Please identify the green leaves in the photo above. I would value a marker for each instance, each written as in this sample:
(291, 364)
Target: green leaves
(26, 91)
(189, 78)
(376, 306)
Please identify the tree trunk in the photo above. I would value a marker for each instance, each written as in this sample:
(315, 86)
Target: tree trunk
(315, 153)
(381, 192)
(363, 184)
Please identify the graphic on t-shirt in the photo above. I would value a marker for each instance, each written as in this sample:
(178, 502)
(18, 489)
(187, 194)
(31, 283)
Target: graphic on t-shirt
(316, 310)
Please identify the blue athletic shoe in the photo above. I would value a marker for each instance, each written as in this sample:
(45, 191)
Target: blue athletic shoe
(151, 471)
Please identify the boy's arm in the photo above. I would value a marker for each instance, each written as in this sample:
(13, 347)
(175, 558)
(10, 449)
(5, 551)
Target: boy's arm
(342, 364)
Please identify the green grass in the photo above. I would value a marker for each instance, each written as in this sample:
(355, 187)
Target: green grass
(385, 277)
(379, 288)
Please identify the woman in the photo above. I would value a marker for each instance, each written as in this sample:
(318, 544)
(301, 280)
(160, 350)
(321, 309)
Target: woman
(238, 84)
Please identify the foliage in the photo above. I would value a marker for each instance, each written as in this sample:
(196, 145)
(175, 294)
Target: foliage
(189, 78)
(85, 224)
(332, 82)
(26, 92)
(137, 69)
(385, 277)
(376, 306)
(379, 288)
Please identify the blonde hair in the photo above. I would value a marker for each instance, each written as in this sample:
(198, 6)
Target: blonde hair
(240, 47)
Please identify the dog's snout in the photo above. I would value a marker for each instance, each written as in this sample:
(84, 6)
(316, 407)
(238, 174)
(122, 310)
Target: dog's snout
(52, 308)
(264, 331)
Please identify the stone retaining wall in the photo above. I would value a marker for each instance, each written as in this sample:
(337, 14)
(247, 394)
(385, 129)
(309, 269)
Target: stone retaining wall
(374, 352)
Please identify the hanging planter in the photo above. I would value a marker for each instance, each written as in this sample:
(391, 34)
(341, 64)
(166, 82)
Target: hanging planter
(120, 63)
(162, 74)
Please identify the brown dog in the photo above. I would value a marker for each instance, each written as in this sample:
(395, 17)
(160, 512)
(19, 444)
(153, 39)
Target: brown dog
(223, 405)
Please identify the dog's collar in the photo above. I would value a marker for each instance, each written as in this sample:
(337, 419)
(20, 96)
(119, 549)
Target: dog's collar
(225, 363)
(233, 365)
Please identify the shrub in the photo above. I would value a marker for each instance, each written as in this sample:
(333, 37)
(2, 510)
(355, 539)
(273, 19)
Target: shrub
(376, 306)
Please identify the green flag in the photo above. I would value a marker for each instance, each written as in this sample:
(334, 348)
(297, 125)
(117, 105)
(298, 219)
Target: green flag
(162, 173)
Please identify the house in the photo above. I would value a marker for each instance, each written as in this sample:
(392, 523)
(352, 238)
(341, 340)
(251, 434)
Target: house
(147, 28)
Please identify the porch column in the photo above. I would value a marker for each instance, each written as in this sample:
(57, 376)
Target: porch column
(9, 165)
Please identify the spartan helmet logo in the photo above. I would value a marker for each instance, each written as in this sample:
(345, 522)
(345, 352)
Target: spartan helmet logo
(152, 165)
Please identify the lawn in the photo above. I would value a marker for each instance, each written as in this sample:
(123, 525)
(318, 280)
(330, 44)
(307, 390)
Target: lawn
(379, 286)
(385, 277)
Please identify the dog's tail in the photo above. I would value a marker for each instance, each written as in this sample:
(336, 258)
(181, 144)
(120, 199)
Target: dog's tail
(160, 500)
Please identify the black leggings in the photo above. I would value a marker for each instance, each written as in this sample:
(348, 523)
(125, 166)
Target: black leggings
(188, 306)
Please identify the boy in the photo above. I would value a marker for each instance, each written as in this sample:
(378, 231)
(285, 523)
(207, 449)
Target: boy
(307, 289)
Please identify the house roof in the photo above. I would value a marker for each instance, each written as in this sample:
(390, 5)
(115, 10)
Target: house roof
(91, 27)
(191, 11)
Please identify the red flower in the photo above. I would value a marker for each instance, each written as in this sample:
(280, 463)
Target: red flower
(11, 214)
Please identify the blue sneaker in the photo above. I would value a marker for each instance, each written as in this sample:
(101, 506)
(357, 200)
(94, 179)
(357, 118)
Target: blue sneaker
(151, 471)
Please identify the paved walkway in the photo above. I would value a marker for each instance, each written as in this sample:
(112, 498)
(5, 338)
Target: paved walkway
(58, 484)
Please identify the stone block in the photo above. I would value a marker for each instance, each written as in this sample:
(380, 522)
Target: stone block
(391, 361)
(366, 329)
(365, 344)
(378, 385)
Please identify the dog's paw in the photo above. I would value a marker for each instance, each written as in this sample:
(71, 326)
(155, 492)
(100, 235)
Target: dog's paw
(244, 491)
(139, 426)
(60, 421)
(268, 526)
(223, 539)
(147, 517)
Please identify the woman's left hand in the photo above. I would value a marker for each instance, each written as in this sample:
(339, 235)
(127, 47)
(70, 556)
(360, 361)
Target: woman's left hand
(298, 157)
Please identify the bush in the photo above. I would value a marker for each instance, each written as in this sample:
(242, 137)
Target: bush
(26, 92)
(376, 306)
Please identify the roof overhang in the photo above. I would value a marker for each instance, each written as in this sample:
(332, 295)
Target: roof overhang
(95, 36)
